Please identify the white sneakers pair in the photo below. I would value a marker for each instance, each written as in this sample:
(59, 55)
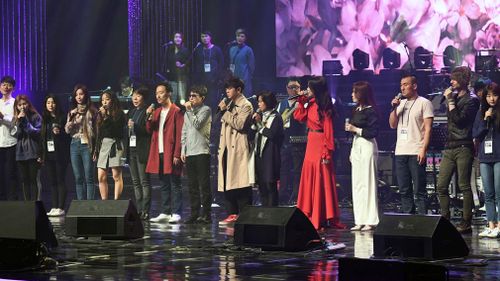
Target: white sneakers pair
(173, 218)
(362, 228)
(56, 212)
(490, 233)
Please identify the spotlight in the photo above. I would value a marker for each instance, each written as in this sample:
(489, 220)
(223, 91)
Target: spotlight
(423, 58)
(332, 67)
(452, 57)
(391, 58)
(486, 61)
(361, 59)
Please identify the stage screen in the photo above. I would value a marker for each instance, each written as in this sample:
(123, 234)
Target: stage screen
(310, 31)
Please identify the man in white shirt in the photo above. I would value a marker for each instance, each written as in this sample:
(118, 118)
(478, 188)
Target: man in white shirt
(412, 117)
(7, 142)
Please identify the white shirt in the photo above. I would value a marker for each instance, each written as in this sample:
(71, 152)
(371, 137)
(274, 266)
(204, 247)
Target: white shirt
(163, 117)
(411, 119)
(7, 109)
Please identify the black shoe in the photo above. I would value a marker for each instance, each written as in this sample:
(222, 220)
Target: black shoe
(191, 220)
(207, 219)
(464, 227)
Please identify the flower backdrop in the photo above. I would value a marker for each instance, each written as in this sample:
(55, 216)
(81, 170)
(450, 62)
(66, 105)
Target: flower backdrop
(310, 31)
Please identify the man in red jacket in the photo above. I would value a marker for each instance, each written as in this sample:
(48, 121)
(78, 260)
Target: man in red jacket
(165, 125)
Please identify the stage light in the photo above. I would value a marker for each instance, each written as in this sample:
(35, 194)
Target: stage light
(452, 57)
(332, 67)
(391, 58)
(486, 61)
(423, 58)
(361, 60)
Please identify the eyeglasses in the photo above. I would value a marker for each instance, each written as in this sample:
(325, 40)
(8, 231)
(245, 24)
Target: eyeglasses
(193, 96)
(292, 87)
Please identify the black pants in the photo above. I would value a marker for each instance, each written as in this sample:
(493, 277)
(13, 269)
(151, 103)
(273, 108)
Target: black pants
(56, 172)
(198, 172)
(8, 173)
(28, 170)
(268, 194)
(236, 199)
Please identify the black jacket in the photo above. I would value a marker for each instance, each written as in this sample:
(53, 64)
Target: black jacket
(143, 137)
(461, 121)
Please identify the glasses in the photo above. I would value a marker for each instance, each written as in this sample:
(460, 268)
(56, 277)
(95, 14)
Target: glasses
(292, 87)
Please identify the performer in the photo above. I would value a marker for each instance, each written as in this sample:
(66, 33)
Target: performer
(110, 150)
(242, 61)
(165, 125)
(196, 154)
(317, 194)
(126, 87)
(364, 154)
(80, 126)
(458, 153)
(236, 174)
(7, 141)
(176, 56)
(486, 130)
(412, 117)
(268, 141)
(293, 142)
(27, 125)
(208, 63)
(55, 153)
(139, 142)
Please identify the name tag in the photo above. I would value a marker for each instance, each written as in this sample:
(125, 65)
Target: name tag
(133, 141)
(403, 134)
(50, 146)
(207, 67)
(232, 67)
(488, 146)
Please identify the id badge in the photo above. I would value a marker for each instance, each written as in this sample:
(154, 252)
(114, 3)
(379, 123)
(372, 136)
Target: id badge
(488, 146)
(50, 146)
(403, 134)
(133, 141)
(207, 67)
(232, 67)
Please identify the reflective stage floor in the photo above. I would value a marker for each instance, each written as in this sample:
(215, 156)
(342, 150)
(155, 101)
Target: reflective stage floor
(207, 252)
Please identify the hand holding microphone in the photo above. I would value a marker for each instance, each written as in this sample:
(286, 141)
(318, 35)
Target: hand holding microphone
(149, 112)
(102, 110)
(223, 104)
(257, 116)
(396, 101)
(488, 114)
(21, 114)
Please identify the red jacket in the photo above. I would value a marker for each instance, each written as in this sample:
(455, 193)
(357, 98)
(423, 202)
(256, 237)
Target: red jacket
(171, 141)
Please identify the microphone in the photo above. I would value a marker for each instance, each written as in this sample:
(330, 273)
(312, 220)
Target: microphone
(294, 97)
(226, 101)
(405, 44)
(444, 97)
(231, 42)
(197, 45)
(148, 115)
(488, 119)
(398, 96)
(168, 44)
(106, 89)
(252, 97)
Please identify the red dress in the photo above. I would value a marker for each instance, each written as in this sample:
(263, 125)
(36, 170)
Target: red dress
(317, 193)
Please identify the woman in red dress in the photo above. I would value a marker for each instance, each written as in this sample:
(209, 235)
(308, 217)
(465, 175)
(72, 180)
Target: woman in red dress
(317, 195)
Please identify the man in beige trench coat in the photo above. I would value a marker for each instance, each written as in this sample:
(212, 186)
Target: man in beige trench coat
(236, 173)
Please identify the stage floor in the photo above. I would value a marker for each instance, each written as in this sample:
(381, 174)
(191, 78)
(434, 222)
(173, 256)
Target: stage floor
(206, 252)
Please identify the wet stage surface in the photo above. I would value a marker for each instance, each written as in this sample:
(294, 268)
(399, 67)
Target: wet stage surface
(207, 252)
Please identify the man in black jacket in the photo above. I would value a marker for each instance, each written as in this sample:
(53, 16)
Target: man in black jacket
(459, 149)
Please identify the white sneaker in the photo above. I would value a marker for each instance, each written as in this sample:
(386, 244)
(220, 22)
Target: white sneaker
(161, 218)
(486, 232)
(175, 218)
(59, 213)
(494, 233)
(51, 212)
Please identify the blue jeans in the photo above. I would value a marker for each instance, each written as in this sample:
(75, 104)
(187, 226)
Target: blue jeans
(408, 170)
(171, 192)
(490, 175)
(83, 169)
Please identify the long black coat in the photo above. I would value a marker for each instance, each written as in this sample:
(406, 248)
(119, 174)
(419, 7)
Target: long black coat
(143, 137)
(268, 163)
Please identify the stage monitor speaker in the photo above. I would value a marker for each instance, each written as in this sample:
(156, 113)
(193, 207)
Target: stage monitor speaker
(353, 269)
(26, 220)
(417, 236)
(274, 228)
(108, 219)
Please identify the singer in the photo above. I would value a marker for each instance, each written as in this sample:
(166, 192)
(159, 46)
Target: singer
(176, 57)
(412, 117)
(7, 141)
(110, 150)
(317, 192)
(27, 125)
(79, 125)
(242, 61)
(486, 130)
(458, 153)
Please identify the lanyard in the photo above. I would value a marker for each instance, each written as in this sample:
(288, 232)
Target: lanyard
(209, 55)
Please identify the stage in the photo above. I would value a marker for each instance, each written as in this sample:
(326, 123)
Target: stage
(207, 252)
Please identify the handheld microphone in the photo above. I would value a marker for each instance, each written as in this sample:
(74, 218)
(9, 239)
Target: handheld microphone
(252, 97)
(148, 115)
(168, 44)
(444, 97)
(197, 45)
(398, 96)
(226, 102)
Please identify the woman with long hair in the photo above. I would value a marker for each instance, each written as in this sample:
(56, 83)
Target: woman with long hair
(110, 151)
(27, 124)
(80, 126)
(487, 131)
(177, 56)
(55, 152)
(364, 153)
(317, 195)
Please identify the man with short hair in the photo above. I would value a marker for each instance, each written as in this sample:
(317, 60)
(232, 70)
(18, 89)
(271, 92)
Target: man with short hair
(196, 154)
(458, 153)
(412, 117)
(7, 141)
(165, 125)
(242, 61)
